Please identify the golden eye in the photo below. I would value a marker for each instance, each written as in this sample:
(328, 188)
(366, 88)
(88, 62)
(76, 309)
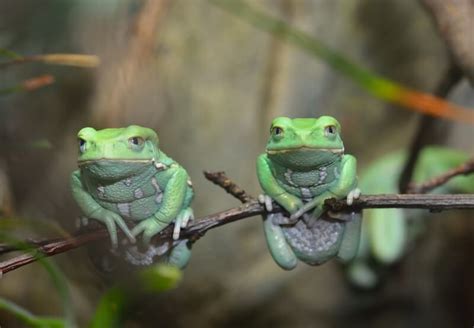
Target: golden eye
(330, 130)
(277, 131)
(136, 142)
(82, 145)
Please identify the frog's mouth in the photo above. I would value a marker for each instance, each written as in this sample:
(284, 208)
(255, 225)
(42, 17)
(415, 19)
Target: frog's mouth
(305, 149)
(113, 169)
(107, 161)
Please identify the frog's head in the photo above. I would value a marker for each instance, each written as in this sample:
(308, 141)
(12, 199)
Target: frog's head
(303, 143)
(116, 153)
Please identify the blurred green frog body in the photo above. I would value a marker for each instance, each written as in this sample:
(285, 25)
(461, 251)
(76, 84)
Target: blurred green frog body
(124, 176)
(387, 233)
(304, 165)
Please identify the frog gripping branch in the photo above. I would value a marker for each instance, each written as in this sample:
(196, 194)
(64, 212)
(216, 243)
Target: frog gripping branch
(304, 165)
(124, 177)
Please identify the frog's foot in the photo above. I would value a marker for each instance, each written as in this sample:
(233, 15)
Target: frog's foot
(82, 221)
(266, 201)
(283, 220)
(339, 216)
(335, 215)
(306, 208)
(111, 221)
(138, 258)
(182, 220)
(149, 227)
(353, 194)
(309, 219)
(180, 255)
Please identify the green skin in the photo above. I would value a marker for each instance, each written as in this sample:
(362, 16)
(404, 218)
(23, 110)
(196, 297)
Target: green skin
(387, 234)
(305, 164)
(124, 176)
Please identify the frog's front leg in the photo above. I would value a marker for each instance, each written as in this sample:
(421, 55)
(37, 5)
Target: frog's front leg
(93, 210)
(277, 244)
(171, 205)
(345, 186)
(351, 237)
(270, 186)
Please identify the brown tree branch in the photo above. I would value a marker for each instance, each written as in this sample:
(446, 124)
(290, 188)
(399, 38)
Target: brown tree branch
(77, 60)
(220, 179)
(463, 169)
(251, 208)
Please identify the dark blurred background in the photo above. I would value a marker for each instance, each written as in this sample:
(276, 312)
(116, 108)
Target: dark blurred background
(210, 84)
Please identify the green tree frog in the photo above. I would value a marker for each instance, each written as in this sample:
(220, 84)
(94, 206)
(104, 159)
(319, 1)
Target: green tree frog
(304, 165)
(124, 176)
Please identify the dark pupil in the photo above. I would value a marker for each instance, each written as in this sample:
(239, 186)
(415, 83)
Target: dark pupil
(81, 142)
(331, 129)
(135, 141)
(278, 131)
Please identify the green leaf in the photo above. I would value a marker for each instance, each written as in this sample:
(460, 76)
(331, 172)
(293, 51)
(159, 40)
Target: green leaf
(160, 277)
(378, 86)
(28, 318)
(9, 54)
(57, 277)
(110, 310)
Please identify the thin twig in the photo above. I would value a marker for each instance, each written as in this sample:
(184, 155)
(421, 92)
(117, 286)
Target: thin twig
(77, 60)
(220, 179)
(29, 85)
(252, 208)
(463, 169)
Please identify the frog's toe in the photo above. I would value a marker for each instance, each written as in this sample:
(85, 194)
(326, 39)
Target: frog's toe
(334, 215)
(187, 216)
(176, 230)
(123, 226)
(267, 201)
(182, 221)
(353, 194)
(82, 221)
(112, 229)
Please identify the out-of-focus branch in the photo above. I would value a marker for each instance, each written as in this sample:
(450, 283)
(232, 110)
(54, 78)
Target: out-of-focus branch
(430, 129)
(28, 85)
(251, 208)
(124, 73)
(463, 169)
(454, 20)
(77, 60)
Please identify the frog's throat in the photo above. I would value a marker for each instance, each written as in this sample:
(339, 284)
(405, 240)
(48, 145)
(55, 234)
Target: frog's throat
(115, 160)
(306, 148)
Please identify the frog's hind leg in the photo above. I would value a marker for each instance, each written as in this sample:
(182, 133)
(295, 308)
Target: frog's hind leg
(277, 244)
(351, 237)
(180, 255)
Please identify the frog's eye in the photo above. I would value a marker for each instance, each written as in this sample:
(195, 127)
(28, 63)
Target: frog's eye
(136, 143)
(330, 130)
(82, 145)
(277, 131)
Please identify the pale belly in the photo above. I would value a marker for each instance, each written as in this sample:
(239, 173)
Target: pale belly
(317, 243)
